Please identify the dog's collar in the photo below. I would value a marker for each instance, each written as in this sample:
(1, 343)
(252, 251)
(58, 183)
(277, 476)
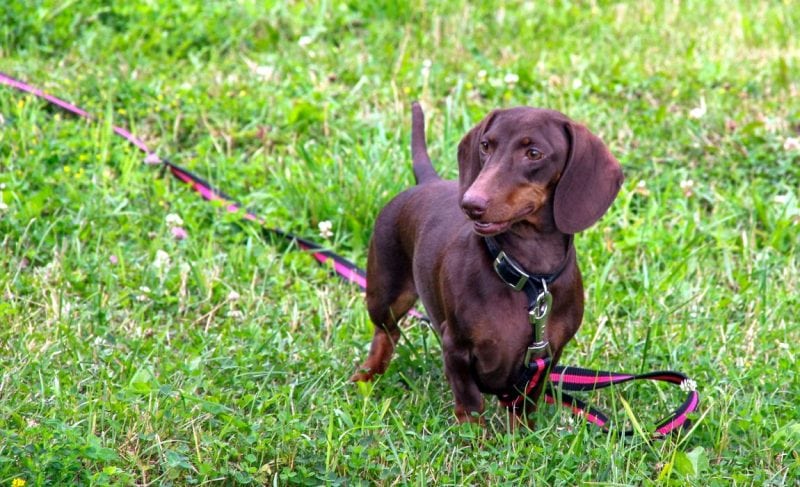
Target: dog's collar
(515, 276)
(535, 288)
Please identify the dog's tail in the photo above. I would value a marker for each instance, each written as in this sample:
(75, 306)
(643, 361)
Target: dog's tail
(423, 169)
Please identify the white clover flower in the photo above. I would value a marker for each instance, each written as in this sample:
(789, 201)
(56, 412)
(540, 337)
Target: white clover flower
(174, 220)
(699, 111)
(325, 229)
(687, 186)
(305, 41)
(688, 385)
(577, 83)
(144, 296)
(264, 72)
(235, 314)
(482, 74)
(233, 296)
(641, 188)
(161, 262)
(426, 68)
(791, 144)
(510, 78)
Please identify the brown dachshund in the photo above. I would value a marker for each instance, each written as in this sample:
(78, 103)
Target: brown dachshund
(528, 180)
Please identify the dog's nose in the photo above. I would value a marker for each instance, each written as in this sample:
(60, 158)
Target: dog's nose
(474, 206)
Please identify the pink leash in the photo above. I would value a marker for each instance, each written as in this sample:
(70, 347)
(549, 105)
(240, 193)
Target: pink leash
(571, 379)
(343, 267)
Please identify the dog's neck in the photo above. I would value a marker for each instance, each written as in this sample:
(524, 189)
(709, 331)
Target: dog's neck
(539, 252)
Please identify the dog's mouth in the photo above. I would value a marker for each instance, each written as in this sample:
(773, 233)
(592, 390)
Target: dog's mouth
(487, 229)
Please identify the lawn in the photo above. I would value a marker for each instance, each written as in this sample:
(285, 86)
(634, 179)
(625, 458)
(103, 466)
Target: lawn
(128, 356)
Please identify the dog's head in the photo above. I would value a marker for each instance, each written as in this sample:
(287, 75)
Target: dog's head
(519, 161)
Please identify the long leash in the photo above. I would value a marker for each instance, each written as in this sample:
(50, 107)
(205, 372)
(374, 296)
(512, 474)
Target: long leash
(346, 269)
(562, 379)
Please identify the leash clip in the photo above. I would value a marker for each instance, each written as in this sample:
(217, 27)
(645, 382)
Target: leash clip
(541, 307)
(537, 315)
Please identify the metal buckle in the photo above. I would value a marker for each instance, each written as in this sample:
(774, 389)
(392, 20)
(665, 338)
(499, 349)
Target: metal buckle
(536, 350)
(537, 316)
(501, 260)
(541, 308)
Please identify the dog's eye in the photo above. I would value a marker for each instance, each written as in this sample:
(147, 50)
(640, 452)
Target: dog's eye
(534, 154)
(484, 146)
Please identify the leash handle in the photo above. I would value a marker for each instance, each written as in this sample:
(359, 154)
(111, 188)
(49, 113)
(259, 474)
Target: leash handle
(578, 379)
(565, 379)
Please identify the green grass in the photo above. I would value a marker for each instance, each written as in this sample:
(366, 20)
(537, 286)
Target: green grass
(230, 364)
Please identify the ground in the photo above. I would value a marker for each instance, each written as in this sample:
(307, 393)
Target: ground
(131, 357)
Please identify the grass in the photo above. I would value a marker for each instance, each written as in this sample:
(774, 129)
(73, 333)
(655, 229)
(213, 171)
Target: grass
(229, 363)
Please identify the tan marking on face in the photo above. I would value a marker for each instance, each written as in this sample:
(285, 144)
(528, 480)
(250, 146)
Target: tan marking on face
(531, 195)
(518, 204)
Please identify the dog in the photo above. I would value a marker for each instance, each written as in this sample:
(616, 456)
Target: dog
(529, 179)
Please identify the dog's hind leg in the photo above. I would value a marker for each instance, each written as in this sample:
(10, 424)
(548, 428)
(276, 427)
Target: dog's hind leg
(390, 294)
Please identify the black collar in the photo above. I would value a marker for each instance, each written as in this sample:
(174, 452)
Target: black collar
(515, 276)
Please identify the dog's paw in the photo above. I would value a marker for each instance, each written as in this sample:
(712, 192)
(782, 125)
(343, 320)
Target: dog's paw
(363, 375)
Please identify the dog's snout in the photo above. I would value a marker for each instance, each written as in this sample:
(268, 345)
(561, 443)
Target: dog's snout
(474, 205)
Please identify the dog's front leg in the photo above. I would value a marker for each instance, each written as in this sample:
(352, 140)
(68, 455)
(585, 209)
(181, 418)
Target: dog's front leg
(468, 398)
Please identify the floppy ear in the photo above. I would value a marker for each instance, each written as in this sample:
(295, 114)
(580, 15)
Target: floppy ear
(592, 177)
(469, 156)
